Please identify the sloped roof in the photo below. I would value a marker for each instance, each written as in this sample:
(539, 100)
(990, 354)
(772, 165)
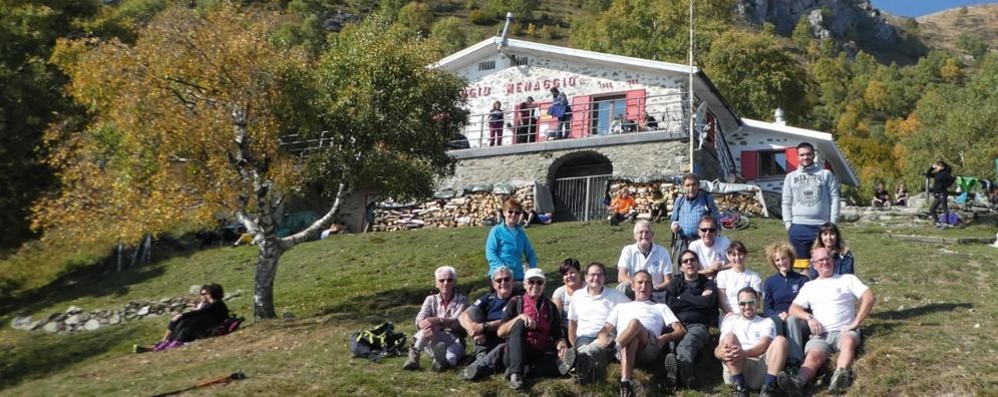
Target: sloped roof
(822, 141)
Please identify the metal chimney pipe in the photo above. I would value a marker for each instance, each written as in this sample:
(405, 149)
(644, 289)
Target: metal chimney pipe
(503, 40)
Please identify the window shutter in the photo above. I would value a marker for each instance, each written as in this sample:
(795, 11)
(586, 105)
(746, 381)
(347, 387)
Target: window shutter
(581, 113)
(750, 165)
(635, 100)
(792, 160)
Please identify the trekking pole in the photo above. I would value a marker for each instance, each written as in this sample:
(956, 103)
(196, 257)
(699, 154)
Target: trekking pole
(238, 375)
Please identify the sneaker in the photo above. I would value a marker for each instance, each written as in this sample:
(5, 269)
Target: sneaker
(139, 349)
(791, 384)
(840, 381)
(626, 389)
(412, 363)
(440, 362)
(671, 369)
(739, 390)
(566, 364)
(515, 381)
(770, 390)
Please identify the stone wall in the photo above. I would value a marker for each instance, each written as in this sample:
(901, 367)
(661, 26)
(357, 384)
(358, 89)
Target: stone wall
(646, 160)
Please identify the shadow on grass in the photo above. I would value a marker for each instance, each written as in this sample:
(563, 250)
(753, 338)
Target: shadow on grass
(50, 353)
(912, 312)
(78, 284)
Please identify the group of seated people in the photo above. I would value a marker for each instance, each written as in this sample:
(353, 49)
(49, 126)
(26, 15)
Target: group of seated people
(775, 335)
(881, 198)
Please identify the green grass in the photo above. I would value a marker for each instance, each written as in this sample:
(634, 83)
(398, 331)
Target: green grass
(930, 332)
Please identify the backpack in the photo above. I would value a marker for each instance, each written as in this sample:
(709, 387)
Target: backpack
(228, 326)
(378, 342)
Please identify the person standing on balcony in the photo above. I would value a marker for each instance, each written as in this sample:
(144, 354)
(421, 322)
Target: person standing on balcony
(495, 124)
(526, 131)
(560, 109)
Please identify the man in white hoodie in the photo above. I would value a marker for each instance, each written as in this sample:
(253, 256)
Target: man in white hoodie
(810, 199)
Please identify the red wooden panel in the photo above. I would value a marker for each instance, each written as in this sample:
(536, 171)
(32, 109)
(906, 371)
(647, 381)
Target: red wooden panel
(792, 161)
(750, 165)
(635, 100)
(581, 114)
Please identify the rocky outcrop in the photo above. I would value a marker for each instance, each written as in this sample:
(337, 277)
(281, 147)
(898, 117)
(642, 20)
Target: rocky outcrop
(840, 21)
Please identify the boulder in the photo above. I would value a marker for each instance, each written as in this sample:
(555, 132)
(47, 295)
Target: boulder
(91, 325)
(72, 320)
(22, 323)
(114, 319)
(54, 326)
(143, 311)
(194, 290)
(73, 310)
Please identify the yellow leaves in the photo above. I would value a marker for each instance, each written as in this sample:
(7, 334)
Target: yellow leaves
(876, 94)
(951, 71)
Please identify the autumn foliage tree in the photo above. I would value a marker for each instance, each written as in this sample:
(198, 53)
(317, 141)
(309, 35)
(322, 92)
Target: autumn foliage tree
(189, 121)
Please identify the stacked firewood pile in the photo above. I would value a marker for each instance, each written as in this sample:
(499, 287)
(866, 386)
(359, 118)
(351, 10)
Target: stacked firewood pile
(470, 209)
(743, 203)
(480, 207)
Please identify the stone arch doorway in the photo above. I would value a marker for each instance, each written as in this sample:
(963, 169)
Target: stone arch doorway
(578, 182)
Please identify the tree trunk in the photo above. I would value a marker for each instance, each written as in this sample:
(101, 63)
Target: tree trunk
(263, 282)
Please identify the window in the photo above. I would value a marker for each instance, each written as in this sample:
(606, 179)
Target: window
(520, 61)
(604, 109)
(772, 163)
(487, 65)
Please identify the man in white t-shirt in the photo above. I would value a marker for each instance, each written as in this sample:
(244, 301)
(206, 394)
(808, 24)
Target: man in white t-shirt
(586, 316)
(640, 328)
(834, 324)
(711, 249)
(645, 255)
(751, 352)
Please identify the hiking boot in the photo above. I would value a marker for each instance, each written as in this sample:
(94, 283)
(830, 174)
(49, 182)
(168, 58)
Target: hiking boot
(584, 369)
(440, 362)
(840, 381)
(564, 365)
(739, 390)
(515, 381)
(626, 389)
(671, 369)
(770, 390)
(139, 349)
(793, 385)
(412, 363)
(686, 375)
(475, 370)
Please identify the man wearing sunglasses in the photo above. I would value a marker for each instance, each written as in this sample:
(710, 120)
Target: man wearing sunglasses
(482, 320)
(833, 322)
(751, 352)
(711, 249)
(532, 328)
(694, 299)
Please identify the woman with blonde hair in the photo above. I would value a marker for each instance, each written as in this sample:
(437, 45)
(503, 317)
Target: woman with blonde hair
(780, 289)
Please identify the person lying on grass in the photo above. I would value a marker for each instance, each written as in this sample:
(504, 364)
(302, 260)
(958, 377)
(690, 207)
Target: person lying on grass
(209, 313)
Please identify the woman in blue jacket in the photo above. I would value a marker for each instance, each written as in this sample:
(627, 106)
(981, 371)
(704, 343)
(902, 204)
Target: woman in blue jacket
(507, 244)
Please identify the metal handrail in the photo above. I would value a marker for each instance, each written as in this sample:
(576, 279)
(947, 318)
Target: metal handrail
(668, 110)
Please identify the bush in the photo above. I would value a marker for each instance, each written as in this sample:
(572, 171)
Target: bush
(478, 17)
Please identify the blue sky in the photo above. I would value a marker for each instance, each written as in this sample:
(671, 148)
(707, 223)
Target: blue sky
(917, 8)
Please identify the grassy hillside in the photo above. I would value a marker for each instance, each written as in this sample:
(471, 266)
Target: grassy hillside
(942, 30)
(935, 307)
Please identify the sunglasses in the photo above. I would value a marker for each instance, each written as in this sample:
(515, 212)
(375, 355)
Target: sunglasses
(746, 303)
(445, 280)
(689, 260)
(514, 212)
(707, 230)
(535, 282)
(503, 280)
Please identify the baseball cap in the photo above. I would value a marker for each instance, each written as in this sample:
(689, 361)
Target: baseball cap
(534, 273)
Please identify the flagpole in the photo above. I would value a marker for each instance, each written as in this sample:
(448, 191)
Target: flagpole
(692, 109)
